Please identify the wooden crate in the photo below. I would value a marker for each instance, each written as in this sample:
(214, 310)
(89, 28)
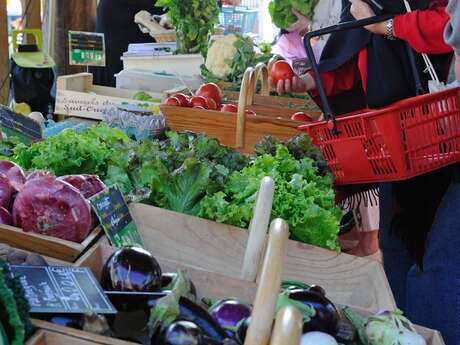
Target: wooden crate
(76, 96)
(215, 285)
(239, 130)
(221, 248)
(262, 295)
(47, 245)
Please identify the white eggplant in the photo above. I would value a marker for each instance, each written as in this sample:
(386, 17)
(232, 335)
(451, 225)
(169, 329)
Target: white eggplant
(317, 338)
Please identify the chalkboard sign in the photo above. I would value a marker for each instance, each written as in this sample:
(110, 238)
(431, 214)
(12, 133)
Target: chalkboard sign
(61, 289)
(22, 127)
(86, 48)
(113, 214)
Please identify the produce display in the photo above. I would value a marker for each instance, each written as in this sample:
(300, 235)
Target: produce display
(155, 307)
(228, 58)
(195, 175)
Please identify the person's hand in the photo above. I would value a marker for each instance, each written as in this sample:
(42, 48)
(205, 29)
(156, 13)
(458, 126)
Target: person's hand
(302, 25)
(361, 10)
(295, 85)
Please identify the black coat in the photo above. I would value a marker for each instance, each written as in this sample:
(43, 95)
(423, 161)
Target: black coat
(115, 18)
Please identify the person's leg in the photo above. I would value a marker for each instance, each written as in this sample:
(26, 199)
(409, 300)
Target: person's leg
(367, 217)
(396, 260)
(368, 244)
(433, 294)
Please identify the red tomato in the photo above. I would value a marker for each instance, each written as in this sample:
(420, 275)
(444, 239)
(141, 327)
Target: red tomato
(173, 101)
(250, 112)
(231, 108)
(199, 101)
(281, 70)
(210, 90)
(300, 116)
(183, 99)
(211, 104)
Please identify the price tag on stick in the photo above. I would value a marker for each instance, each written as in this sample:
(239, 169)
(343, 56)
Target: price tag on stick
(62, 289)
(113, 213)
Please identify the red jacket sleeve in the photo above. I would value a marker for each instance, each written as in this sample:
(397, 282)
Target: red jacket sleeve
(339, 80)
(424, 29)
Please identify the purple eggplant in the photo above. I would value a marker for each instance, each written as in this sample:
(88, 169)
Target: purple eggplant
(326, 316)
(241, 330)
(131, 269)
(229, 312)
(180, 333)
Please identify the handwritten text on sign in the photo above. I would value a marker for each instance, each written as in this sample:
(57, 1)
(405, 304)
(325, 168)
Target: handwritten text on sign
(60, 289)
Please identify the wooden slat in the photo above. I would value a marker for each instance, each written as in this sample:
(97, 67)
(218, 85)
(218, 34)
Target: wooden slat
(4, 56)
(46, 245)
(63, 334)
(220, 248)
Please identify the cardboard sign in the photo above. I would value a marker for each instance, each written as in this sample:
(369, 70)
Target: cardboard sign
(61, 289)
(22, 127)
(86, 48)
(113, 213)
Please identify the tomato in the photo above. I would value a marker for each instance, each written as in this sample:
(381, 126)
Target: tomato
(199, 101)
(300, 116)
(231, 108)
(211, 104)
(281, 70)
(183, 99)
(250, 112)
(173, 101)
(210, 90)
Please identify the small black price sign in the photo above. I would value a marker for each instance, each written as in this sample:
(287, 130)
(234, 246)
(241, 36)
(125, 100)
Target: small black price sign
(113, 213)
(86, 48)
(22, 127)
(62, 289)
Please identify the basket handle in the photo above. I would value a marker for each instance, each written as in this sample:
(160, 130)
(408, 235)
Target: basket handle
(242, 103)
(34, 32)
(258, 229)
(329, 115)
(288, 327)
(269, 282)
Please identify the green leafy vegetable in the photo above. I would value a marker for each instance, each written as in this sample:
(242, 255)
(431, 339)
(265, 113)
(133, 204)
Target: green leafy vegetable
(281, 11)
(302, 197)
(194, 20)
(86, 152)
(14, 308)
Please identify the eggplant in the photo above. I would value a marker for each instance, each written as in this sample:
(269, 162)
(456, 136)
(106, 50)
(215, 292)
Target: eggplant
(191, 311)
(180, 333)
(229, 312)
(67, 320)
(326, 318)
(131, 269)
(241, 330)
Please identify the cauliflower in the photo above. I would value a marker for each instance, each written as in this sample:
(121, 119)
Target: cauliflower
(220, 52)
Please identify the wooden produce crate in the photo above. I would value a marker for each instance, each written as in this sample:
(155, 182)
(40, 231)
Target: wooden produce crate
(76, 96)
(221, 248)
(240, 130)
(263, 295)
(47, 245)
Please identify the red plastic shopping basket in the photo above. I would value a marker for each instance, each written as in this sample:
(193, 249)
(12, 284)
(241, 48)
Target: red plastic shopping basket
(406, 139)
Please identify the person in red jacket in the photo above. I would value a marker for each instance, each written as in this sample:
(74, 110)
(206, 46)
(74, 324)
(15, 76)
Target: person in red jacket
(419, 224)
